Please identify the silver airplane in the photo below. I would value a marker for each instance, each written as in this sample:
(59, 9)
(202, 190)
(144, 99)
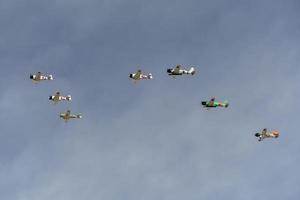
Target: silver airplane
(178, 71)
(40, 77)
(57, 97)
(67, 115)
(140, 76)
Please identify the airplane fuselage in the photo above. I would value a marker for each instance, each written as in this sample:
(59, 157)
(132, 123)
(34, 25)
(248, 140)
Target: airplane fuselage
(214, 104)
(39, 77)
(139, 77)
(172, 72)
(262, 136)
(66, 116)
(57, 98)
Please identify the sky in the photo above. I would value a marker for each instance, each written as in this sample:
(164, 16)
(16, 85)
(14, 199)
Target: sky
(153, 139)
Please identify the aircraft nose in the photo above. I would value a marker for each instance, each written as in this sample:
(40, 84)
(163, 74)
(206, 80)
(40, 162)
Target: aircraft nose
(257, 134)
(203, 103)
(50, 97)
(130, 75)
(169, 70)
(31, 76)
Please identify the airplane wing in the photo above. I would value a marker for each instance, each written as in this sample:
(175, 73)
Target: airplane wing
(38, 75)
(68, 113)
(211, 102)
(56, 96)
(138, 74)
(264, 132)
(177, 69)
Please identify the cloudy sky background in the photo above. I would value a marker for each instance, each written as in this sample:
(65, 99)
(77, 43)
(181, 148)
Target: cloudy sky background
(150, 140)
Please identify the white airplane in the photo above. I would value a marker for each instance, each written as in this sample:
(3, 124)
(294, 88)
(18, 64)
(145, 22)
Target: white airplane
(57, 97)
(40, 77)
(178, 71)
(265, 134)
(139, 75)
(67, 115)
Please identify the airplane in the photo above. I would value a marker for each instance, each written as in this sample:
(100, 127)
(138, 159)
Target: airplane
(139, 75)
(213, 104)
(57, 97)
(178, 71)
(265, 134)
(67, 115)
(40, 77)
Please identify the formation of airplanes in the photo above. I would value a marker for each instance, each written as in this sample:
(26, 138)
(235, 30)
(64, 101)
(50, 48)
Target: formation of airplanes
(176, 71)
(139, 75)
(57, 97)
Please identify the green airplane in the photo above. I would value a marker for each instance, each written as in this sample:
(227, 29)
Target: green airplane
(213, 104)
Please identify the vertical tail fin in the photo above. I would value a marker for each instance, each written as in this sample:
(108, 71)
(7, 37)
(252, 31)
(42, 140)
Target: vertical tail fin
(192, 71)
(226, 104)
(69, 98)
(276, 134)
(50, 77)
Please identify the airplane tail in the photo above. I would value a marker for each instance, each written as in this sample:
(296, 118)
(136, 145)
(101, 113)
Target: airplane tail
(79, 116)
(69, 98)
(50, 77)
(226, 104)
(276, 134)
(150, 76)
(192, 71)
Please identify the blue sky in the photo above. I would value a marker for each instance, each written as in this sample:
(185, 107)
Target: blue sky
(150, 140)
